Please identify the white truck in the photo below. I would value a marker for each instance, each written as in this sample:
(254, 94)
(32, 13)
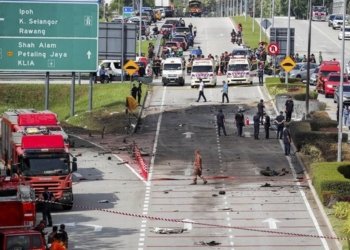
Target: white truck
(203, 69)
(239, 70)
(173, 71)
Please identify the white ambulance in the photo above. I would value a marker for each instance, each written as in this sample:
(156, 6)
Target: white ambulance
(173, 71)
(203, 69)
(239, 71)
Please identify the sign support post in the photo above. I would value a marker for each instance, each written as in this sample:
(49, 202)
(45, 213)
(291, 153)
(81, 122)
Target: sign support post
(47, 90)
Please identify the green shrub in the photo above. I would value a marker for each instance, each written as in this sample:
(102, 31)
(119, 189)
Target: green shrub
(302, 96)
(329, 181)
(308, 132)
(317, 125)
(341, 210)
(291, 80)
(314, 152)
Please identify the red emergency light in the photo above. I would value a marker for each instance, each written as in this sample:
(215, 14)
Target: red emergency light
(42, 141)
(37, 119)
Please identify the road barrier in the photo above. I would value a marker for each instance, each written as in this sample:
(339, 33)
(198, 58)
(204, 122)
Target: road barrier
(143, 168)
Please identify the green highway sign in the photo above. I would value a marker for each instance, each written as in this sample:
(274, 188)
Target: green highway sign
(48, 36)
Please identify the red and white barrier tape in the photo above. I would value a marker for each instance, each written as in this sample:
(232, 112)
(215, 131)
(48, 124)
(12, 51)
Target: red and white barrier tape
(201, 223)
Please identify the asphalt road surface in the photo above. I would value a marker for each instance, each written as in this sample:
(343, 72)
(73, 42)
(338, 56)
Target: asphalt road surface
(238, 209)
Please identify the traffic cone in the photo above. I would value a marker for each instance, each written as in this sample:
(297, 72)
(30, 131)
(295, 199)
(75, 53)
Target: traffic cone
(247, 121)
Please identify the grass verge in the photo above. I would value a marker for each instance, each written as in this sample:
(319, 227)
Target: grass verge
(144, 46)
(108, 103)
(250, 38)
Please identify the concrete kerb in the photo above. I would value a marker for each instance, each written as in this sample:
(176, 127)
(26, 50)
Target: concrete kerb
(312, 189)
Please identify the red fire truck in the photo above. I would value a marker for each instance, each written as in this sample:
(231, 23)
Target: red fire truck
(34, 146)
(319, 13)
(17, 216)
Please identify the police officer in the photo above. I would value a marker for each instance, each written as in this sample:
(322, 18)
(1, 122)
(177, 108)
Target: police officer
(239, 118)
(267, 125)
(261, 110)
(256, 120)
(289, 108)
(280, 125)
(220, 121)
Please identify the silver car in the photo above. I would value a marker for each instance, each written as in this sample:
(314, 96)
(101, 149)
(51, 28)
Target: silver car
(300, 71)
(313, 76)
(346, 95)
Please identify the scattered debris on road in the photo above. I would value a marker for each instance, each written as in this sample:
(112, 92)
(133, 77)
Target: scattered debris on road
(162, 230)
(210, 243)
(123, 162)
(271, 172)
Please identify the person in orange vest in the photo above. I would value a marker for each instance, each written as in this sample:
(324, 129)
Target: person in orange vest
(198, 167)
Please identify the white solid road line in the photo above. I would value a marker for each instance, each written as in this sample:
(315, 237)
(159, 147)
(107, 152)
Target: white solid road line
(150, 172)
(302, 193)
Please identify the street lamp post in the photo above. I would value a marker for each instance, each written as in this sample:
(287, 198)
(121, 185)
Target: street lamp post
(261, 13)
(288, 40)
(273, 14)
(253, 16)
(140, 24)
(340, 102)
(308, 64)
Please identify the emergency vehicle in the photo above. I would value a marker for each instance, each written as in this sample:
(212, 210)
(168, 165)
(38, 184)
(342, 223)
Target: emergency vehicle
(319, 13)
(35, 147)
(203, 70)
(195, 8)
(325, 69)
(18, 216)
(239, 71)
(173, 71)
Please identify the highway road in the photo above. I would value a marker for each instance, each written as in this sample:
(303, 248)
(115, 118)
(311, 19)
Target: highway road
(238, 208)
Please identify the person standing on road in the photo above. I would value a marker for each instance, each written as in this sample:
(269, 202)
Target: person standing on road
(239, 118)
(261, 73)
(48, 198)
(52, 235)
(256, 121)
(261, 111)
(224, 91)
(198, 167)
(286, 139)
(289, 108)
(320, 58)
(220, 121)
(267, 125)
(280, 125)
(64, 235)
(201, 91)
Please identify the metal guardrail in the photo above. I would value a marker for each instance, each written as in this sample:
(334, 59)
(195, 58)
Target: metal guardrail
(13, 76)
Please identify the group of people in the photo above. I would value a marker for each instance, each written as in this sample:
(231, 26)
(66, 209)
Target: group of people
(261, 118)
(136, 92)
(57, 239)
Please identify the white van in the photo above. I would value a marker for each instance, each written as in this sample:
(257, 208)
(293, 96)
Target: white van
(173, 71)
(239, 70)
(113, 68)
(203, 69)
